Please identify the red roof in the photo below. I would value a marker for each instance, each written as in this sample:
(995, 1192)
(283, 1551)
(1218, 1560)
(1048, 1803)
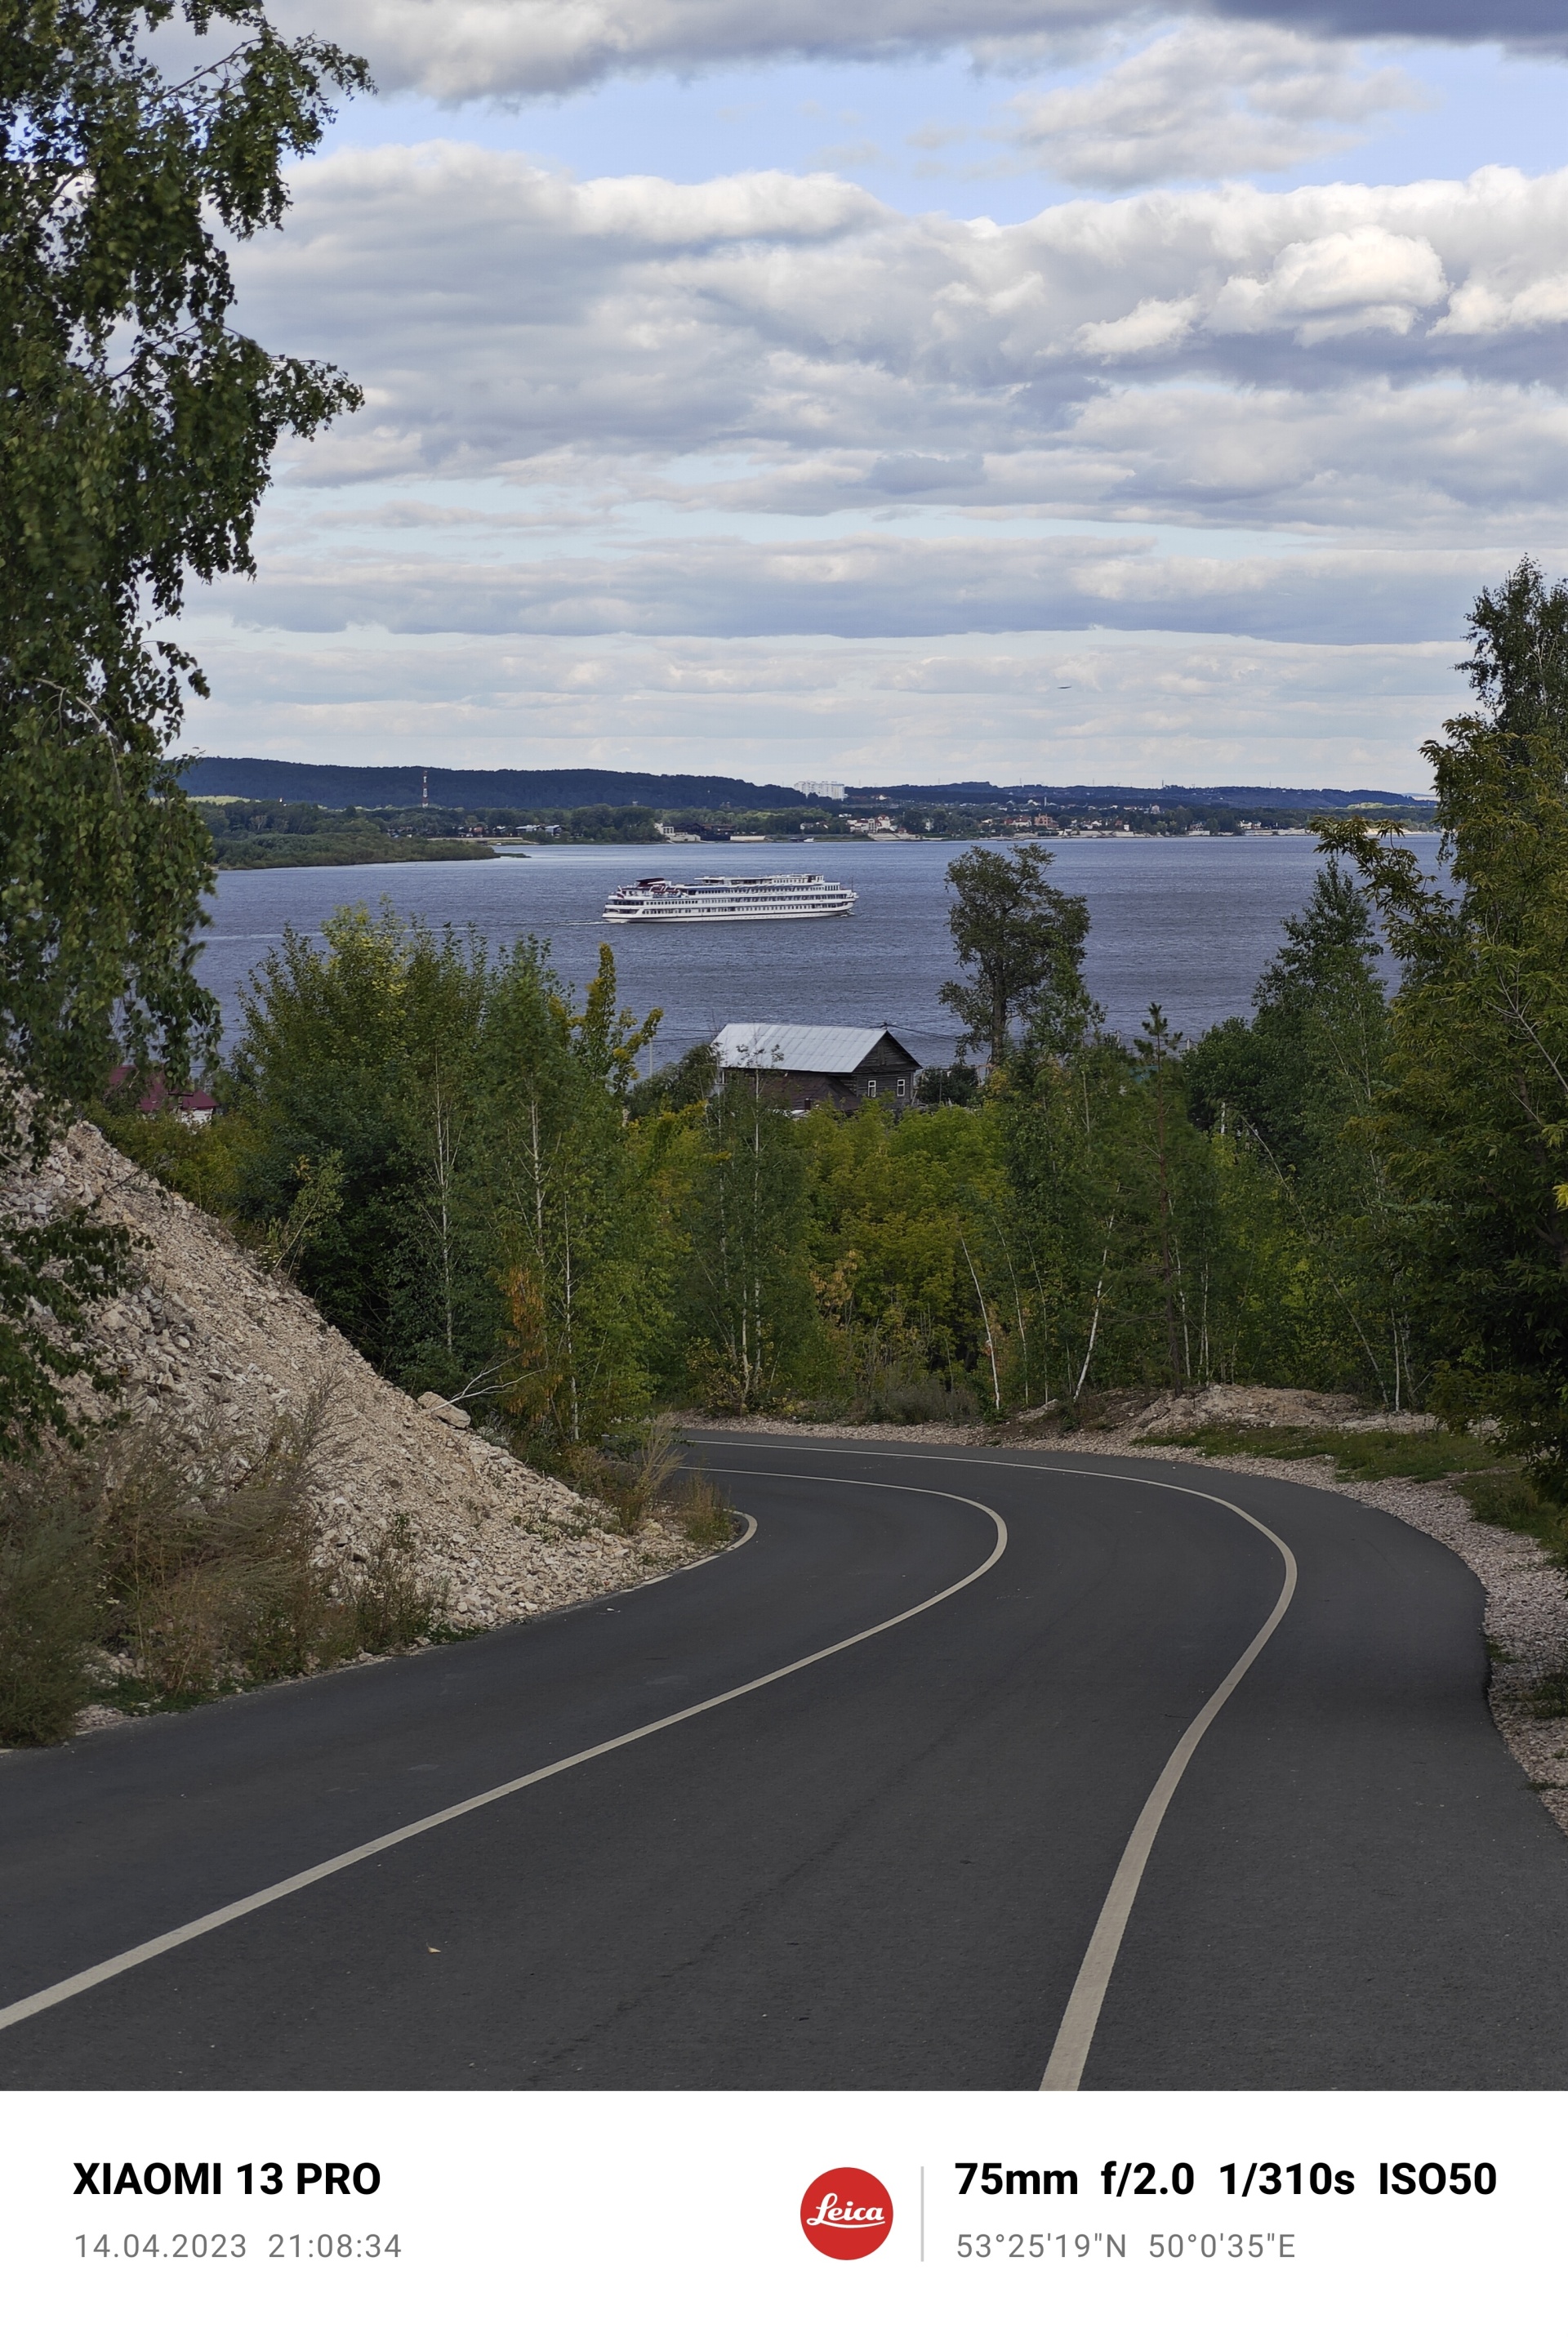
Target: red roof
(157, 1096)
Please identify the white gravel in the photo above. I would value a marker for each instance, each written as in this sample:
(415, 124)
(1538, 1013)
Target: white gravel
(214, 1347)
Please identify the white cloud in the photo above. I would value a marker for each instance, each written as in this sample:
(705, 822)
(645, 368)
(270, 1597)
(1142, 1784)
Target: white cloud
(1141, 710)
(1208, 101)
(718, 476)
(1359, 279)
(1377, 358)
(871, 585)
(459, 49)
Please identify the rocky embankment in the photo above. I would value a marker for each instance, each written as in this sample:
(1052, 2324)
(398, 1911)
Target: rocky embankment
(216, 1347)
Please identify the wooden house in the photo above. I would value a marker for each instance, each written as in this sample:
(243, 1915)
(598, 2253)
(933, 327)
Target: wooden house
(806, 1063)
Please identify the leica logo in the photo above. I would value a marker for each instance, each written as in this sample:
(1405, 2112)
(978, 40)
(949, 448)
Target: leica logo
(830, 2212)
(846, 2213)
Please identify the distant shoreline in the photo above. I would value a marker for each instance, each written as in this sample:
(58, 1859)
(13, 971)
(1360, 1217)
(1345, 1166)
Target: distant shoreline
(294, 851)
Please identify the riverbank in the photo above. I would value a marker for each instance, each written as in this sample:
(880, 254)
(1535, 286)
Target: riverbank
(373, 850)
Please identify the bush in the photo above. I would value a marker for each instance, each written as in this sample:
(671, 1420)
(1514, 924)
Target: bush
(639, 1472)
(1507, 1497)
(208, 1554)
(701, 1512)
(48, 1609)
(165, 1564)
(911, 1400)
(387, 1602)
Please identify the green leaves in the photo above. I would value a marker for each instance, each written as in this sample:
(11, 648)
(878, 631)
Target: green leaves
(136, 429)
(1477, 1103)
(1025, 940)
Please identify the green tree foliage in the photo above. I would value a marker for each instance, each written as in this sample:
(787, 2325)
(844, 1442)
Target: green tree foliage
(746, 1321)
(1313, 1051)
(1474, 1116)
(1299, 1085)
(907, 1217)
(138, 426)
(1084, 1160)
(948, 1083)
(586, 1282)
(1023, 937)
(1518, 666)
(137, 429)
(689, 1080)
(487, 1229)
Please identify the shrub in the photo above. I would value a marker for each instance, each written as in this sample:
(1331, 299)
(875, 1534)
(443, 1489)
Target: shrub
(701, 1512)
(639, 1472)
(387, 1602)
(1507, 1497)
(48, 1607)
(208, 1554)
(911, 1400)
(181, 1560)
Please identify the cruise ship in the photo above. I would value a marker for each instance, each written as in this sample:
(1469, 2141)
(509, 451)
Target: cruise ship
(718, 900)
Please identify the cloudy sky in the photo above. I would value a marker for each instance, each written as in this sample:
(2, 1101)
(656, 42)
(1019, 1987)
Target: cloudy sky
(1013, 389)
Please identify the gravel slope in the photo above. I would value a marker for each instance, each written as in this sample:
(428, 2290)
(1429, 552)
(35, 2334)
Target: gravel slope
(214, 1344)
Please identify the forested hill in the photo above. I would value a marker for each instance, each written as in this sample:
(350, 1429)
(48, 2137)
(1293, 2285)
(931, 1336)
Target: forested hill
(337, 785)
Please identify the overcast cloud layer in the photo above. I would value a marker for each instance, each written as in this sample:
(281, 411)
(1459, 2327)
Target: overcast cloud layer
(1366, 373)
(744, 473)
(457, 49)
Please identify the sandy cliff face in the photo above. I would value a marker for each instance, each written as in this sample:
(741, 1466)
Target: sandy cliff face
(210, 1341)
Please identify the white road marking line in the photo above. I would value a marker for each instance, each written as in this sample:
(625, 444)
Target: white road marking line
(673, 1573)
(1064, 2069)
(96, 1975)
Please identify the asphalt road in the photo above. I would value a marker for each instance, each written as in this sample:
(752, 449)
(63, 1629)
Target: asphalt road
(882, 1869)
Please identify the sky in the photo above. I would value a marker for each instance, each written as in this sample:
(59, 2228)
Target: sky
(1025, 390)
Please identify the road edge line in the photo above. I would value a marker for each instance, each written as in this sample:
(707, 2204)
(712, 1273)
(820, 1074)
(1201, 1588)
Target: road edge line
(1064, 2069)
(94, 1975)
(1075, 2033)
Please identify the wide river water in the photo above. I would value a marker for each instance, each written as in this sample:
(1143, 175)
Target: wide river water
(1189, 921)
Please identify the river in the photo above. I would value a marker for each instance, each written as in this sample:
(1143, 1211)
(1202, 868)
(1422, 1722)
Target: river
(1188, 921)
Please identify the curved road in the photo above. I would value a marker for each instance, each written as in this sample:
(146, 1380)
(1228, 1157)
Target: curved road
(855, 1803)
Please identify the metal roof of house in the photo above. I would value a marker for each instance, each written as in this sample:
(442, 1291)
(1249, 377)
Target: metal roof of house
(797, 1046)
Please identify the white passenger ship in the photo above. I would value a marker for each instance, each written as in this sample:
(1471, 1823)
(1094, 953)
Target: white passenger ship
(717, 900)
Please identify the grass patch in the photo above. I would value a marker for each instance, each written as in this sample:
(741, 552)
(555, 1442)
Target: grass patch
(1548, 1700)
(701, 1512)
(1361, 1455)
(48, 1610)
(166, 1564)
(641, 1473)
(1505, 1497)
(1499, 1493)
